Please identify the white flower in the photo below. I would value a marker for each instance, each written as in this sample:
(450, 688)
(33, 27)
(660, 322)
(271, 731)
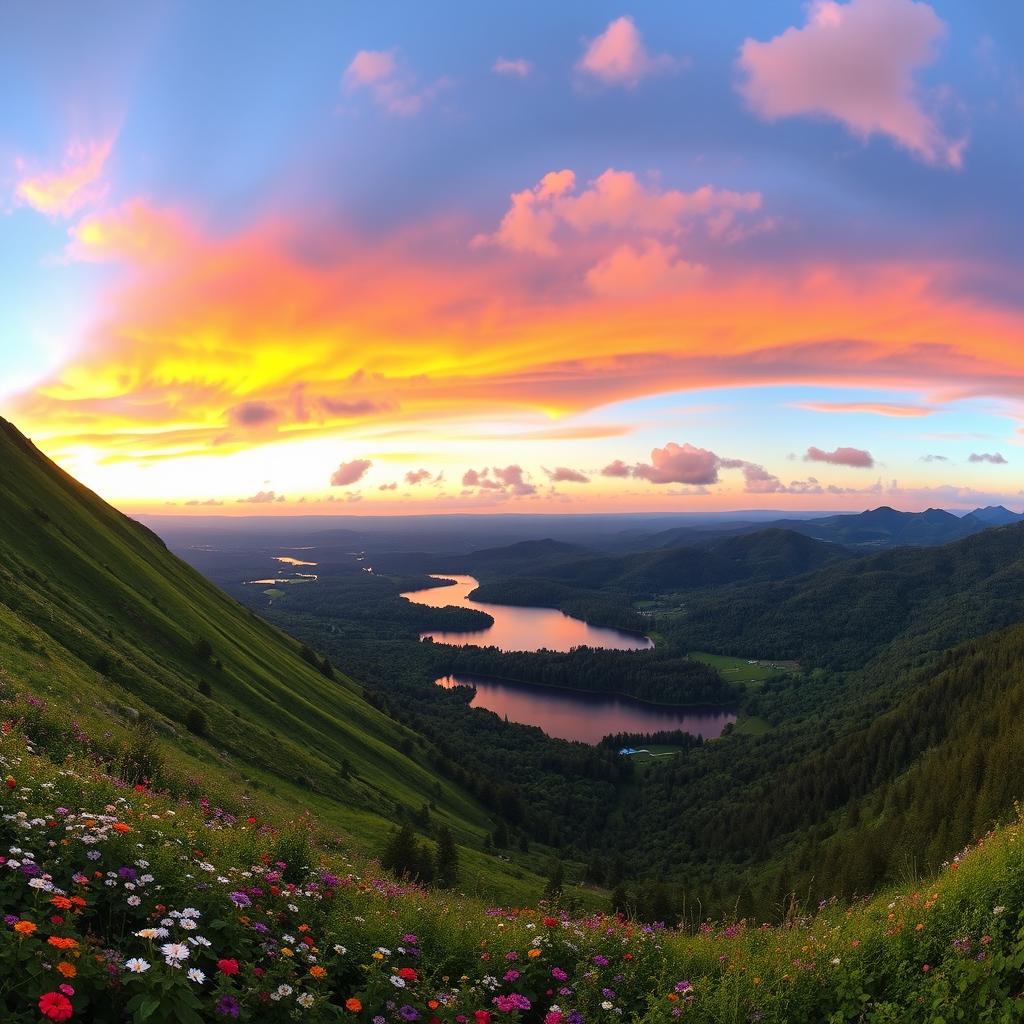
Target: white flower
(836, 961)
(305, 1000)
(40, 883)
(187, 923)
(153, 933)
(198, 940)
(191, 912)
(133, 901)
(288, 939)
(397, 981)
(136, 966)
(606, 1005)
(174, 953)
(284, 990)
(196, 975)
(275, 996)
(998, 910)
(294, 909)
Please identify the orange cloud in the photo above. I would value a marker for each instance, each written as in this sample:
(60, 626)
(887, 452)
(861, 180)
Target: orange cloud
(63, 193)
(854, 62)
(896, 409)
(134, 231)
(652, 267)
(284, 331)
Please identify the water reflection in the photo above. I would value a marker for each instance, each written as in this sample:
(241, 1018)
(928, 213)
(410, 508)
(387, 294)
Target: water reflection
(587, 717)
(520, 629)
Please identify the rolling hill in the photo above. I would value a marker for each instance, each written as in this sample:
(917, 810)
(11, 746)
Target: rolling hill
(97, 615)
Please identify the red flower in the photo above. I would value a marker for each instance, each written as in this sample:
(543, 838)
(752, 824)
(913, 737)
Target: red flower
(11, 782)
(408, 973)
(54, 1006)
(550, 922)
(227, 966)
(482, 1017)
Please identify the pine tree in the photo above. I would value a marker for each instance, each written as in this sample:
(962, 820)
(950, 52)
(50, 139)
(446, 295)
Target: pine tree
(500, 835)
(402, 854)
(553, 887)
(447, 859)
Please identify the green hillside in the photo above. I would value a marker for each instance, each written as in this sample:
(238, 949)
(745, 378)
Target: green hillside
(98, 616)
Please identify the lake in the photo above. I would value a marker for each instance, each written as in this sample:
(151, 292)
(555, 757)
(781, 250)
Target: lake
(520, 629)
(587, 717)
(565, 714)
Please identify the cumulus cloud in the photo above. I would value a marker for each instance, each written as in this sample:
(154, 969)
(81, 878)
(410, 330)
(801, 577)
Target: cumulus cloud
(418, 476)
(63, 192)
(680, 464)
(650, 268)
(934, 458)
(853, 62)
(994, 457)
(262, 498)
(388, 487)
(856, 457)
(350, 472)
(391, 84)
(615, 201)
(618, 56)
(565, 475)
(510, 481)
(518, 68)
(616, 469)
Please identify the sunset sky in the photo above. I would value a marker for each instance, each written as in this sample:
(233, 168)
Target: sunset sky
(396, 257)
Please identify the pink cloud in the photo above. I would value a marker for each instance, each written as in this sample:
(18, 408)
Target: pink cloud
(680, 464)
(853, 62)
(350, 472)
(565, 475)
(994, 457)
(896, 409)
(648, 269)
(417, 476)
(391, 84)
(64, 192)
(616, 469)
(518, 68)
(856, 457)
(253, 414)
(133, 232)
(261, 498)
(615, 201)
(618, 56)
(511, 480)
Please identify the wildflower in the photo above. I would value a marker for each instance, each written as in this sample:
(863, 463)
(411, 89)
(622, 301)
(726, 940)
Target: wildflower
(607, 1004)
(240, 899)
(558, 974)
(152, 933)
(228, 967)
(228, 1006)
(397, 981)
(284, 990)
(353, 1005)
(340, 950)
(68, 970)
(174, 953)
(306, 1000)
(601, 961)
(24, 927)
(533, 952)
(196, 975)
(408, 1013)
(61, 942)
(318, 971)
(408, 973)
(55, 1006)
(136, 965)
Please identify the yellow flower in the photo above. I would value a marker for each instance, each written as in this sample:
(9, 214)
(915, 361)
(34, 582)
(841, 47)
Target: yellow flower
(377, 956)
(285, 951)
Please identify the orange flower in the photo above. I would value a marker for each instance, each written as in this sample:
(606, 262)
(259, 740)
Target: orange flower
(61, 942)
(317, 971)
(533, 952)
(62, 902)
(68, 970)
(120, 826)
(353, 1005)
(24, 927)
(377, 956)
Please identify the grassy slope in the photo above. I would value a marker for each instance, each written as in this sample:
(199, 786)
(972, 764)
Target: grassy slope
(944, 948)
(83, 586)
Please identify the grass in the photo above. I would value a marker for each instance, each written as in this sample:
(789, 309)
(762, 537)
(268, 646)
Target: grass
(97, 615)
(736, 670)
(945, 948)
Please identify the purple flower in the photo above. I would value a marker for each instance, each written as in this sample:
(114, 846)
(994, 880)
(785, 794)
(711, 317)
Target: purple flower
(130, 873)
(240, 899)
(511, 975)
(558, 974)
(574, 1017)
(682, 986)
(601, 961)
(228, 1006)
(409, 939)
(408, 1012)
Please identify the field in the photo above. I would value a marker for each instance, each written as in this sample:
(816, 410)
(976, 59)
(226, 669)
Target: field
(739, 670)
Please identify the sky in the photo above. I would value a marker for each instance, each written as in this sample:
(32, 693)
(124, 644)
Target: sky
(394, 257)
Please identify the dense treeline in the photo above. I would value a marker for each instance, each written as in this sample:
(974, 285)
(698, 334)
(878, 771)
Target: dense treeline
(890, 750)
(662, 675)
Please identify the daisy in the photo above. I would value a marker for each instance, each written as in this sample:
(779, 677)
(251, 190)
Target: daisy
(174, 953)
(136, 966)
